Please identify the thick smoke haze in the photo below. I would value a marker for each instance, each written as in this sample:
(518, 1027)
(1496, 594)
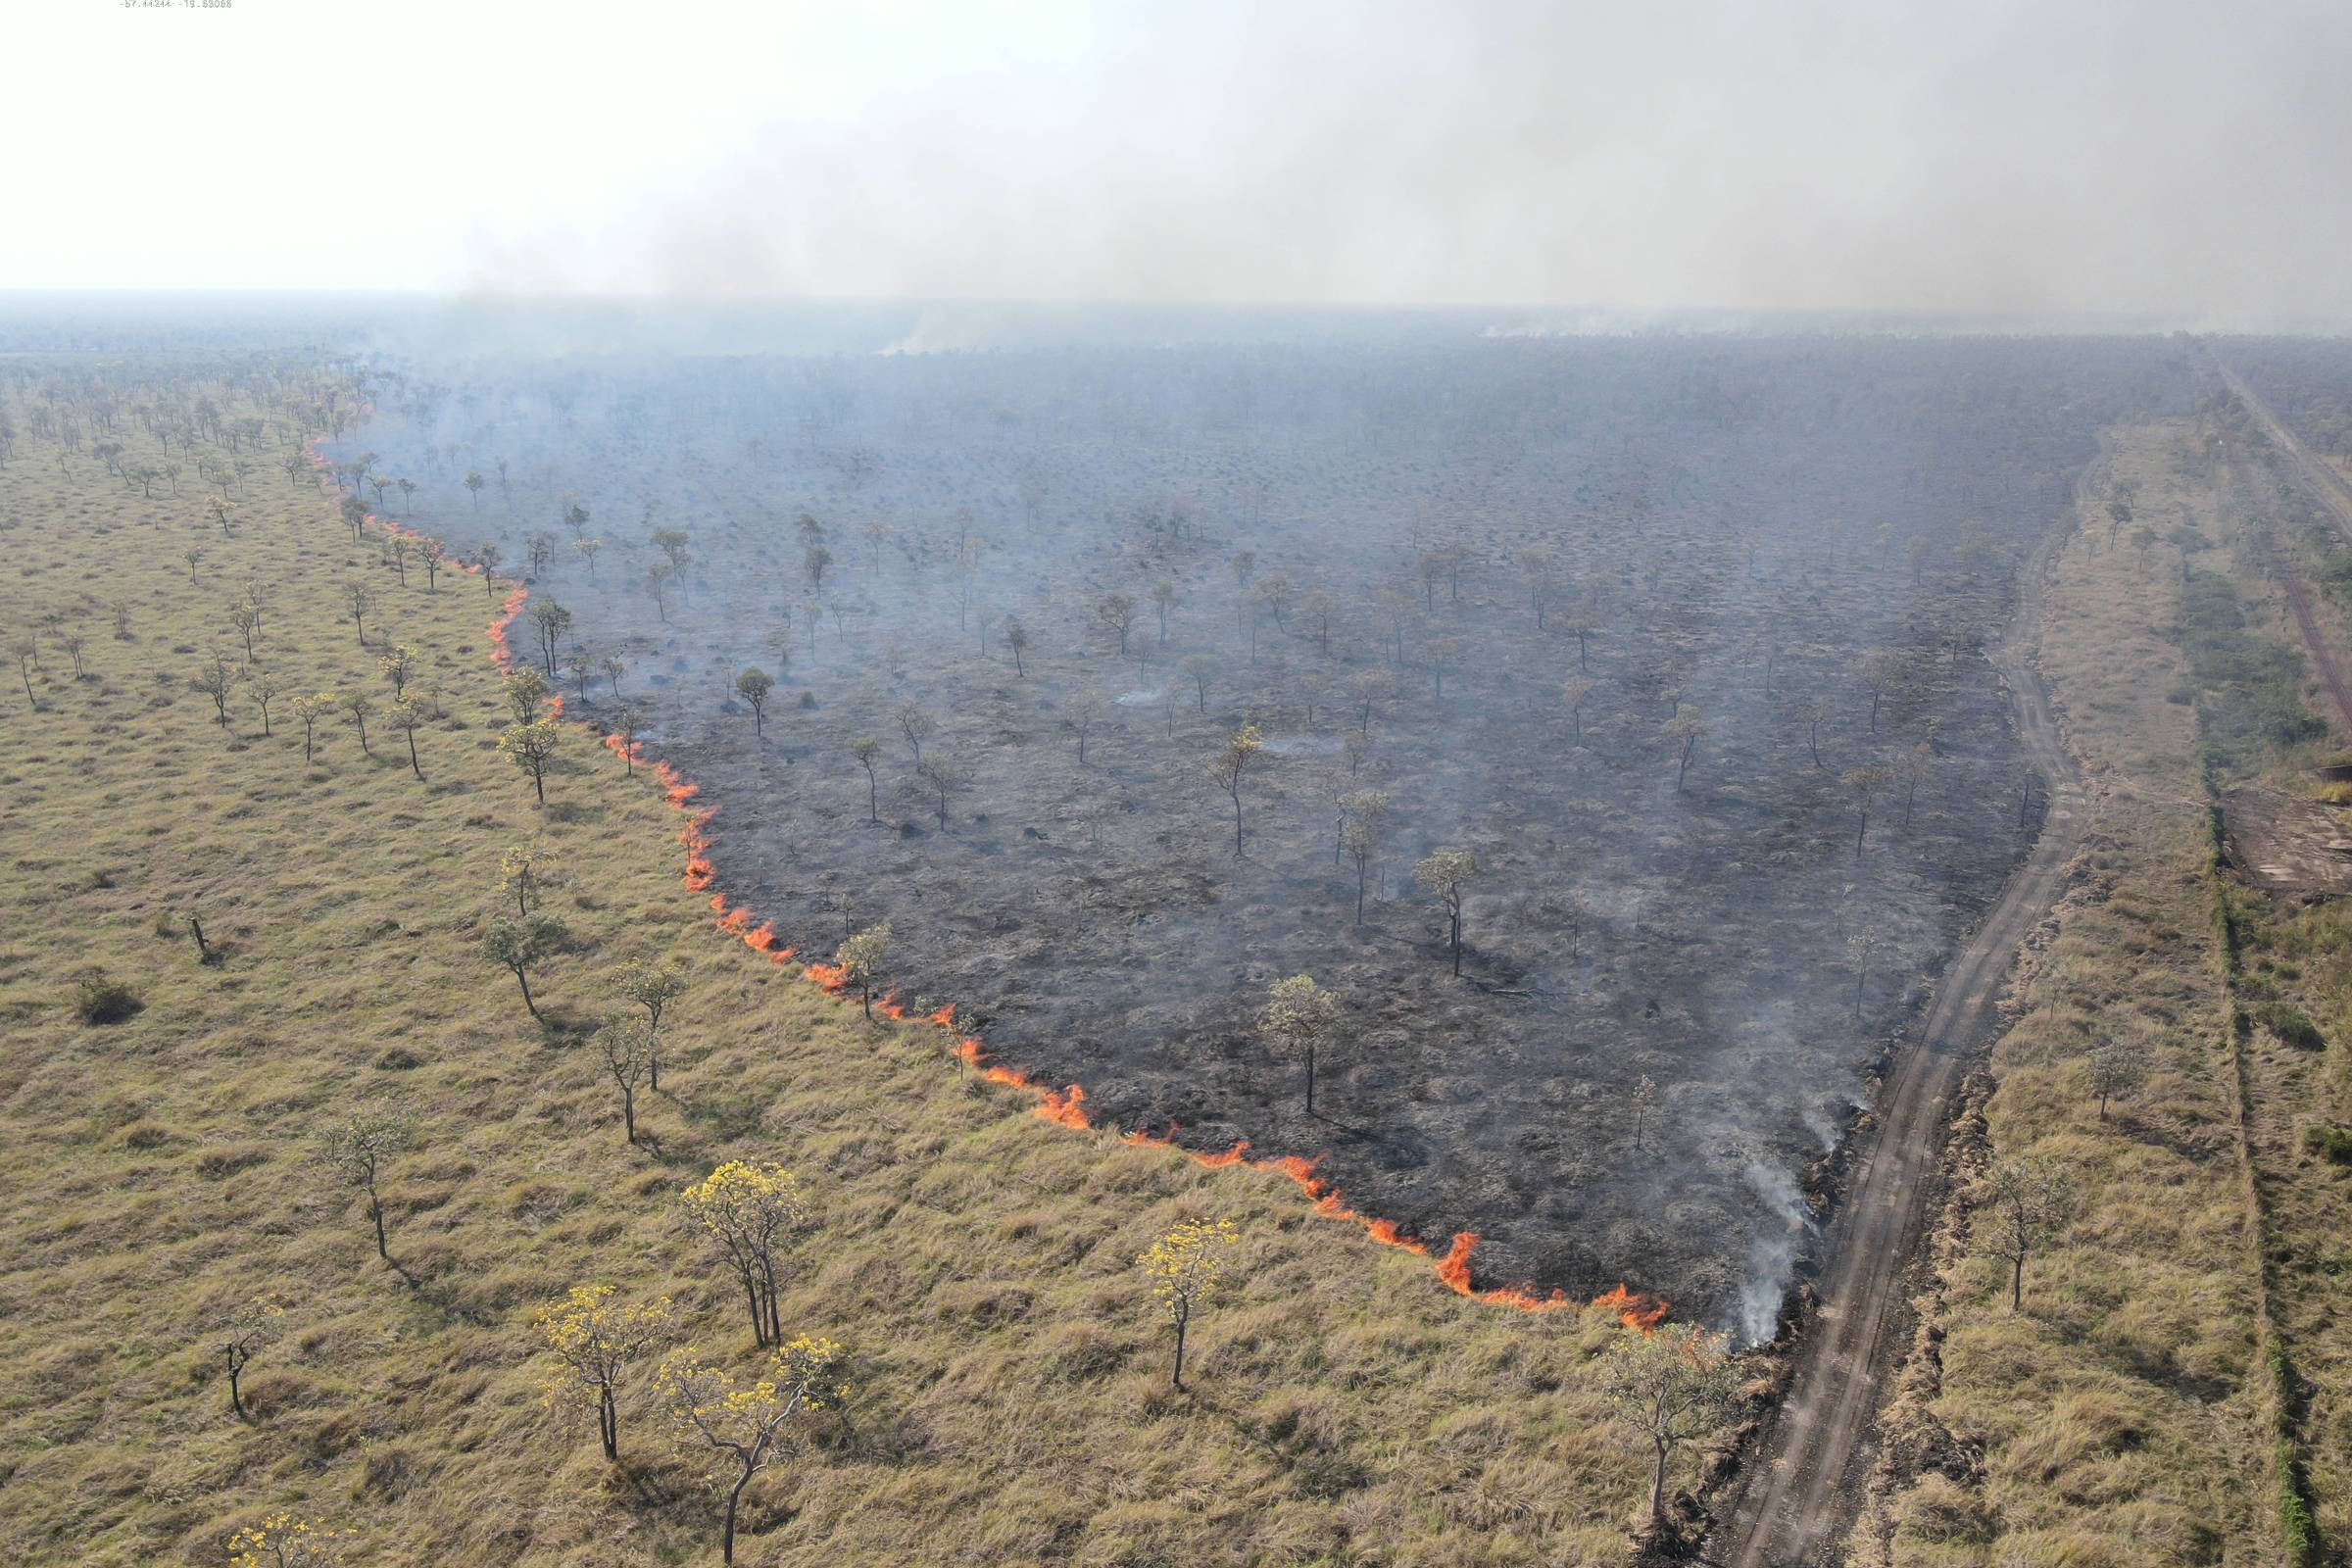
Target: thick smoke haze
(2154, 158)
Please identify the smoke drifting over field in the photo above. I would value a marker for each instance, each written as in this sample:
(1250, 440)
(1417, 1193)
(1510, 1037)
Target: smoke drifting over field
(2158, 159)
(1393, 545)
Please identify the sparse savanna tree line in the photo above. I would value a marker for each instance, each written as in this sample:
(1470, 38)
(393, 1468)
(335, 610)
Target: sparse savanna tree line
(612, 1355)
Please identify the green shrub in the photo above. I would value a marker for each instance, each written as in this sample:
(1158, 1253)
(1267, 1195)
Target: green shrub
(2291, 1025)
(99, 1001)
(2332, 1144)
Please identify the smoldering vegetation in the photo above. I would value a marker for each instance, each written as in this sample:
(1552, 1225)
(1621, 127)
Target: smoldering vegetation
(1490, 579)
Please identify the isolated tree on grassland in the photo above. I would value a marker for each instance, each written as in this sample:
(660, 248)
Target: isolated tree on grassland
(625, 1046)
(1643, 1099)
(361, 599)
(1448, 874)
(1185, 1267)
(862, 959)
(524, 690)
(407, 715)
(746, 1422)
(1372, 687)
(1198, 669)
(242, 1333)
(266, 689)
(867, 750)
(586, 549)
(287, 1540)
(311, 710)
(473, 488)
(1866, 784)
(591, 1342)
(1355, 749)
(526, 870)
(916, 725)
(656, 580)
(751, 1214)
(2116, 1070)
(1576, 693)
(1228, 769)
(1864, 952)
(1810, 714)
(2022, 1204)
(550, 621)
(1016, 638)
(532, 747)
(1918, 764)
(215, 681)
(1684, 730)
(397, 546)
(1085, 710)
(677, 549)
(1673, 1386)
(246, 619)
(399, 664)
(519, 946)
(754, 685)
(538, 549)
(1364, 819)
(1163, 599)
(1114, 612)
(1577, 623)
(359, 705)
(653, 986)
(1879, 669)
(1442, 651)
(357, 1150)
(948, 777)
(487, 557)
(1298, 1015)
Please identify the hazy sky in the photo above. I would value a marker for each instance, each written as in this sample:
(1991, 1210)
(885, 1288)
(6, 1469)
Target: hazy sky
(2192, 160)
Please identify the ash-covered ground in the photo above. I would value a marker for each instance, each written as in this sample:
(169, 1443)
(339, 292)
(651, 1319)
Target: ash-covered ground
(1774, 535)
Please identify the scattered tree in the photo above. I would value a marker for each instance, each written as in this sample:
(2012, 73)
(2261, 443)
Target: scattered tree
(592, 1340)
(625, 1046)
(746, 1422)
(754, 685)
(867, 748)
(653, 987)
(2116, 1070)
(1230, 766)
(526, 870)
(861, 958)
(519, 946)
(243, 1333)
(750, 1214)
(1448, 874)
(1673, 1386)
(2024, 1202)
(1185, 1267)
(1298, 1015)
(357, 1150)
(532, 747)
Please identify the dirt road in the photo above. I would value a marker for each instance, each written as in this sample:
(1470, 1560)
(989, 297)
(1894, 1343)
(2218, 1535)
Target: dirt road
(1798, 1498)
(2327, 487)
(2320, 477)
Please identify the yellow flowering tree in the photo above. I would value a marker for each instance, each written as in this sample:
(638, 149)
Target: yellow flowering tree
(1186, 1266)
(283, 1540)
(526, 870)
(591, 1343)
(750, 1212)
(742, 1423)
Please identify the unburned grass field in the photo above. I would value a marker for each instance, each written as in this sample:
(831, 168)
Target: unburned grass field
(1010, 1400)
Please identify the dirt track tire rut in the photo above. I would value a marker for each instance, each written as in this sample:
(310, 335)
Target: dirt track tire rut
(1802, 1479)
